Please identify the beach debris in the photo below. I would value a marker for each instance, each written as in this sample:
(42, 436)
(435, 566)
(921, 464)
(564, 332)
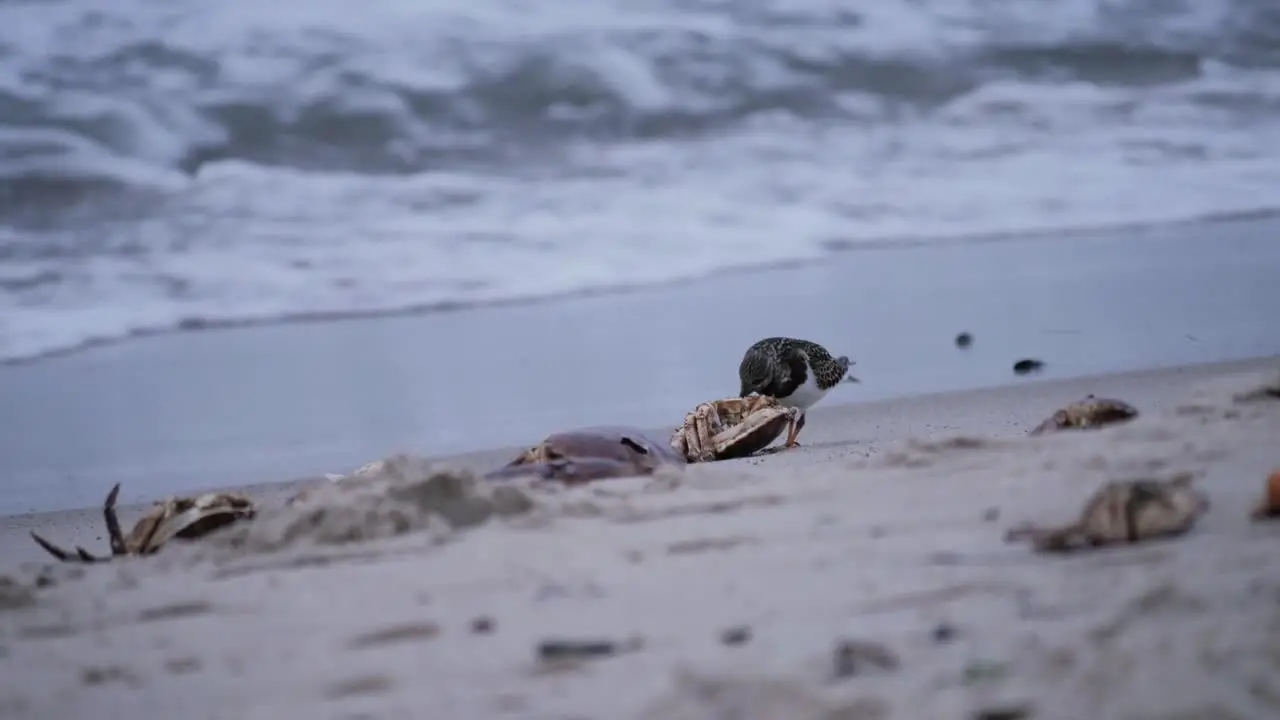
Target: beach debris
(736, 635)
(944, 633)
(857, 657)
(1090, 413)
(1124, 511)
(568, 650)
(1028, 365)
(187, 518)
(1269, 505)
(371, 469)
(731, 428)
(482, 625)
(1011, 711)
(587, 454)
(964, 340)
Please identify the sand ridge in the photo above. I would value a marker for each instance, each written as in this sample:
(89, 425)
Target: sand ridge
(364, 600)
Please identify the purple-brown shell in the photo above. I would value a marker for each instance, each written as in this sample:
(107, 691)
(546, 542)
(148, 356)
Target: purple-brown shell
(592, 453)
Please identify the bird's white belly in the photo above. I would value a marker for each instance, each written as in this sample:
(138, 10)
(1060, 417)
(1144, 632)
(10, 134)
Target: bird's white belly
(805, 396)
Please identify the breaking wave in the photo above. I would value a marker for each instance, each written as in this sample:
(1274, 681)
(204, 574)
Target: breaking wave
(169, 163)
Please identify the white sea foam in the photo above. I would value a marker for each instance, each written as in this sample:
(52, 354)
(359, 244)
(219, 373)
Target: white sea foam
(263, 162)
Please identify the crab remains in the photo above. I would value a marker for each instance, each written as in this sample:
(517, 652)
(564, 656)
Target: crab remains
(1269, 506)
(593, 453)
(730, 428)
(1091, 412)
(178, 517)
(1127, 511)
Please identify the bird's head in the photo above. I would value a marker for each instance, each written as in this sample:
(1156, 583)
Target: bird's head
(845, 363)
(753, 375)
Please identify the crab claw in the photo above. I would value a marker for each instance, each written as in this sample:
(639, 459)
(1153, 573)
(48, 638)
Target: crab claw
(114, 536)
(85, 556)
(50, 548)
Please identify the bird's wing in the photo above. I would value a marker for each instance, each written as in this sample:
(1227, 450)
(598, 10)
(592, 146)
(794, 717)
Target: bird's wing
(790, 374)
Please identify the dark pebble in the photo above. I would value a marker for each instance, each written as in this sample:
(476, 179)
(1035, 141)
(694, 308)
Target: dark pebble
(577, 649)
(1028, 365)
(944, 633)
(857, 657)
(1004, 712)
(482, 625)
(991, 514)
(964, 340)
(736, 635)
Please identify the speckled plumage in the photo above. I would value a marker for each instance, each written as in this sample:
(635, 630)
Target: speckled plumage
(798, 373)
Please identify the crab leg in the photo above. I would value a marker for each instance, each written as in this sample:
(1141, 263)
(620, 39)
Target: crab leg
(1050, 539)
(81, 555)
(146, 547)
(114, 535)
(50, 548)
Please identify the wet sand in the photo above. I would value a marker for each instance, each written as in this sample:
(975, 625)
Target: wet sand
(253, 405)
(728, 585)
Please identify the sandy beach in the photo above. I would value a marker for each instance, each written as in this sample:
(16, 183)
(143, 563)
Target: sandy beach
(331, 265)
(727, 587)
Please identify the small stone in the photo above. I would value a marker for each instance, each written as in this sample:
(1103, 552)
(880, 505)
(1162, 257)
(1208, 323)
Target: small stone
(857, 657)
(1020, 711)
(1028, 365)
(561, 650)
(991, 514)
(482, 625)
(944, 633)
(964, 340)
(736, 635)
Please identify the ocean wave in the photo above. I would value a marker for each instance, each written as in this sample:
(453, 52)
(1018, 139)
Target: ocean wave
(172, 164)
(399, 89)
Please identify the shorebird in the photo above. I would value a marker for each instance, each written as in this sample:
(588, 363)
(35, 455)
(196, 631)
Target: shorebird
(798, 373)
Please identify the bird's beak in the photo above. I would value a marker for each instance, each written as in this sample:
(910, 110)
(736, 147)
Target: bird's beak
(852, 379)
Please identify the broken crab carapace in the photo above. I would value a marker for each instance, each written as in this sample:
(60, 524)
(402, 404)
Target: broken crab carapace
(1126, 511)
(731, 428)
(592, 453)
(1090, 412)
(179, 517)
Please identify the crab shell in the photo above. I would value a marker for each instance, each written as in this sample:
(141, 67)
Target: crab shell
(592, 453)
(1125, 512)
(1269, 506)
(730, 428)
(187, 518)
(367, 471)
(1091, 412)
(178, 517)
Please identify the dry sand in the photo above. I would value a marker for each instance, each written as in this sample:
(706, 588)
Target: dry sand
(728, 587)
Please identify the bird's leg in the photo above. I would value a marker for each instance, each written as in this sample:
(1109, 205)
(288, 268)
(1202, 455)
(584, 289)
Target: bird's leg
(793, 432)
